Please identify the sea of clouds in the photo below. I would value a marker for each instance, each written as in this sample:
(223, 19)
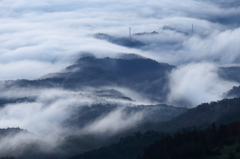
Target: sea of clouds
(49, 35)
(42, 37)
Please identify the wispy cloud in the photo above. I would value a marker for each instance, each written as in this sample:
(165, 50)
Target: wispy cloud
(45, 118)
(114, 122)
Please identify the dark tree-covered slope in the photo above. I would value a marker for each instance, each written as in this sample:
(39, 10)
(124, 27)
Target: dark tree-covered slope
(203, 114)
(221, 112)
(127, 148)
(222, 142)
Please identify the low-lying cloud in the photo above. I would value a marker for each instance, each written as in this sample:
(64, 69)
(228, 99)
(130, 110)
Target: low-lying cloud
(46, 118)
(114, 122)
(193, 84)
(49, 110)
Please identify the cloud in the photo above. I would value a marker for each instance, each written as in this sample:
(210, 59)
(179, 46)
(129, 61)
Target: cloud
(219, 47)
(114, 122)
(193, 84)
(46, 118)
(37, 38)
(24, 143)
(40, 117)
(21, 69)
(55, 32)
(51, 109)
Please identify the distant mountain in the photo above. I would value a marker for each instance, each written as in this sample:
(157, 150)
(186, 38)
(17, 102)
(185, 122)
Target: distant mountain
(111, 93)
(145, 76)
(123, 41)
(142, 40)
(146, 33)
(4, 101)
(175, 30)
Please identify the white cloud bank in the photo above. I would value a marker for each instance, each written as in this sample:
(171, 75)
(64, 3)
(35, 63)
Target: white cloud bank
(193, 84)
(37, 38)
(52, 33)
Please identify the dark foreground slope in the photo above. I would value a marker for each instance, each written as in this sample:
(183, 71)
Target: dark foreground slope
(211, 143)
(187, 142)
(127, 148)
(224, 111)
(222, 142)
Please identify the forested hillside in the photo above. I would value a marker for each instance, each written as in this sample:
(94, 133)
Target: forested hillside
(214, 142)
